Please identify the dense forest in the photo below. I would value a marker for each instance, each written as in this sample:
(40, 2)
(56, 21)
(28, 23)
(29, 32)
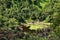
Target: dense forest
(29, 19)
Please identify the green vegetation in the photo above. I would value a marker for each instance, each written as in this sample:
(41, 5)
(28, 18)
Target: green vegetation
(38, 14)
